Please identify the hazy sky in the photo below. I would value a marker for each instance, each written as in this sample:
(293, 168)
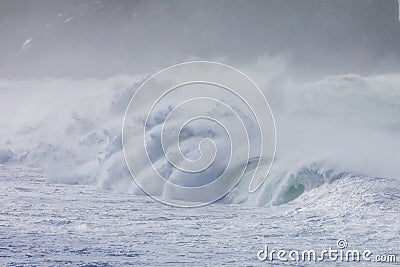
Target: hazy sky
(81, 39)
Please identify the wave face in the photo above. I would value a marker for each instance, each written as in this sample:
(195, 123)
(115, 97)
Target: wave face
(334, 129)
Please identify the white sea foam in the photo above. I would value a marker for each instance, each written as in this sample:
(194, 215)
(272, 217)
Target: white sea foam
(326, 130)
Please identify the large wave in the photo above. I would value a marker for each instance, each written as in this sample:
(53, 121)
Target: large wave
(339, 127)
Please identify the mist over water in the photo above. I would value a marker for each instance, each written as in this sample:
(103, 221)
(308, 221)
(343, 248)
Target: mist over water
(100, 39)
(329, 69)
(328, 128)
(333, 115)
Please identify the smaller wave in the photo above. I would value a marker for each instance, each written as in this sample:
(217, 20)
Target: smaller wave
(282, 184)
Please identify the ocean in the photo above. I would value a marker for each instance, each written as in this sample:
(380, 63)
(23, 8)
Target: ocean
(68, 198)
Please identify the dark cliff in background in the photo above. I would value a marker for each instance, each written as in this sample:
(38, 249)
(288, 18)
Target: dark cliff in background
(101, 38)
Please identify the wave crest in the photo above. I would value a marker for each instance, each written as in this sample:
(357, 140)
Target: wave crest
(330, 129)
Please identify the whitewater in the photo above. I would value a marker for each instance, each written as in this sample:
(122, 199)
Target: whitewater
(68, 198)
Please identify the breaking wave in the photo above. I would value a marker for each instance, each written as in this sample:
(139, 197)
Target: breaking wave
(344, 127)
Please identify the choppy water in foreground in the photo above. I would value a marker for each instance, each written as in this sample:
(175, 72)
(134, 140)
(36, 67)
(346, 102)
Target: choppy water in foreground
(48, 224)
